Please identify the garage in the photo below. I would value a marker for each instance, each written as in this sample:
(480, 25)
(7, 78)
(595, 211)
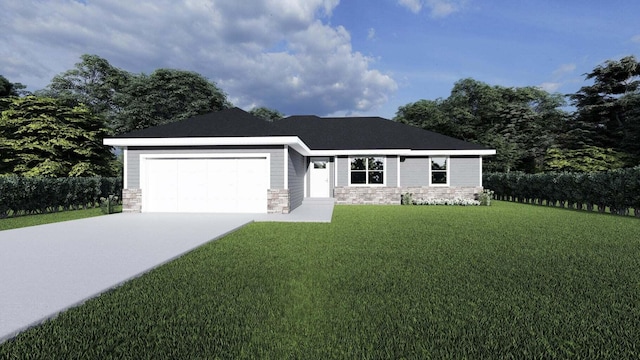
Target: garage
(211, 185)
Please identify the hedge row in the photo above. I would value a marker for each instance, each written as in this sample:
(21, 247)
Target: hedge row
(617, 190)
(34, 195)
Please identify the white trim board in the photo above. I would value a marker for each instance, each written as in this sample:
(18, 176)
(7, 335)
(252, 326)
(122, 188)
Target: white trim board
(293, 141)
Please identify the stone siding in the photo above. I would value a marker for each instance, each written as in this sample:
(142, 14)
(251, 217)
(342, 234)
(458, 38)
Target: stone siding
(132, 200)
(278, 201)
(392, 195)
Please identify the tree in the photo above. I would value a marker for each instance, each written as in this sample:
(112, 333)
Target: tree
(165, 96)
(607, 111)
(45, 137)
(93, 82)
(427, 114)
(266, 113)
(520, 123)
(585, 159)
(8, 88)
(127, 101)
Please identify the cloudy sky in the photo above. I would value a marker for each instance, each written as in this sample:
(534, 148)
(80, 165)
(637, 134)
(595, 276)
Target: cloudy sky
(325, 57)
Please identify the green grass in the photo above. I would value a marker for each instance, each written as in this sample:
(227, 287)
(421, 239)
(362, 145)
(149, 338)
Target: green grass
(31, 220)
(506, 281)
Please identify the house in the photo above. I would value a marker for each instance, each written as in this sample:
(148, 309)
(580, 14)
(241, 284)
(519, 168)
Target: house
(232, 161)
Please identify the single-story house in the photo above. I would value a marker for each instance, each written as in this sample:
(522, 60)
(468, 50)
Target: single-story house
(232, 161)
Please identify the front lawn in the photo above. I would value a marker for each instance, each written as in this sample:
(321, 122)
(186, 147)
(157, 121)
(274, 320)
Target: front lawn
(32, 220)
(506, 281)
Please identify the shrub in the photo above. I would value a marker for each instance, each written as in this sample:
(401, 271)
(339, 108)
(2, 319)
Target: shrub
(618, 190)
(456, 201)
(485, 197)
(32, 195)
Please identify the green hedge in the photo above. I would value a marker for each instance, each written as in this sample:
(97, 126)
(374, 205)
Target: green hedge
(35, 195)
(618, 190)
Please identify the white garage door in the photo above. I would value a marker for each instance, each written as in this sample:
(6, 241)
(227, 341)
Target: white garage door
(236, 185)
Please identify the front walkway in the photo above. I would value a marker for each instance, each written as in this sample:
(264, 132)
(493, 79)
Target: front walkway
(311, 210)
(47, 269)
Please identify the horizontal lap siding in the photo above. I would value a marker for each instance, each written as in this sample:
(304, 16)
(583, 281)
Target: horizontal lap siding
(297, 168)
(391, 171)
(342, 164)
(414, 171)
(465, 171)
(276, 155)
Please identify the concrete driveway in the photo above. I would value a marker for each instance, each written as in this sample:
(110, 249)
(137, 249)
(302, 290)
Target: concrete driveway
(49, 268)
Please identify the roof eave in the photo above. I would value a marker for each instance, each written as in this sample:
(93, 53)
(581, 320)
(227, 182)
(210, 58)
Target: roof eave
(292, 141)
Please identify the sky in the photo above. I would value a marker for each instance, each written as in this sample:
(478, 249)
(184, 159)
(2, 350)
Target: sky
(325, 57)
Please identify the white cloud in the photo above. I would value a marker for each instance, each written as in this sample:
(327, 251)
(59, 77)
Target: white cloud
(636, 39)
(564, 69)
(550, 86)
(413, 5)
(276, 53)
(437, 8)
(371, 34)
(559, 78)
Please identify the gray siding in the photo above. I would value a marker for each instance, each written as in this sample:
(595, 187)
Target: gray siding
(297, 168)
(391, 170)
(342, 164)
(465, 171)
(276, 154)
(414, 171)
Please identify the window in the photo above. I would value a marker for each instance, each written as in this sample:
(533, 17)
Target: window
(319, 164)
(367, 171)
(439, 170)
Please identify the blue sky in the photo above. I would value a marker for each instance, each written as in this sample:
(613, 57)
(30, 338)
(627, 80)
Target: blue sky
(325, 57)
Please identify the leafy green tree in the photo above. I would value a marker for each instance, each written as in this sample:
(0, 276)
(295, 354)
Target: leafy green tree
(584, 159)
(8, 88)
(93, 82)
(266, 113)
(520, 123)
(607, 113)
(165, 96)
(427, 114)
(45, 137)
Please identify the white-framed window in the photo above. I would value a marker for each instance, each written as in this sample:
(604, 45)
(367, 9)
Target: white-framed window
(367, 170)
(439, 171)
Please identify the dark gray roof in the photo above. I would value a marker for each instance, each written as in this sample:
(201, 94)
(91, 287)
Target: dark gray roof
(224, 123)
(368, 133)
(347, 133)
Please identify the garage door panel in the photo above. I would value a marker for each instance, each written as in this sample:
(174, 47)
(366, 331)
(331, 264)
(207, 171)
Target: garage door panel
(207, 185)
(162, 192)
(252, 185)
(222, 174)
(192, 186)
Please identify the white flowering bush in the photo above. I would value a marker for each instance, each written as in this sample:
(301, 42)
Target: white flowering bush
(456, 201)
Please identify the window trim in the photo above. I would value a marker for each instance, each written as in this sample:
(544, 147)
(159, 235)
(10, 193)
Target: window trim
(447, 171)
(384, 170)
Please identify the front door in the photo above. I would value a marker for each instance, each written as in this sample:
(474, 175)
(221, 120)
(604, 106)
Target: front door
(319, 177)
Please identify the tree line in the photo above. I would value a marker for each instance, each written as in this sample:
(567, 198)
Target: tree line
(58, 131)
(595, 129)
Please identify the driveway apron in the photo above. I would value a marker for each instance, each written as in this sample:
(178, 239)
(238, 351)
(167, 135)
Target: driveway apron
(49, 268)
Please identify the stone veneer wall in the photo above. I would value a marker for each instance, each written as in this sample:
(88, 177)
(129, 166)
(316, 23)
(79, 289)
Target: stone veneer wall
(392, 195)
(131, 200)
(278, 201)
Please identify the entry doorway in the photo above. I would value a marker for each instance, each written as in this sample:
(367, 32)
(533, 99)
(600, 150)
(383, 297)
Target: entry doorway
(319, 175)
